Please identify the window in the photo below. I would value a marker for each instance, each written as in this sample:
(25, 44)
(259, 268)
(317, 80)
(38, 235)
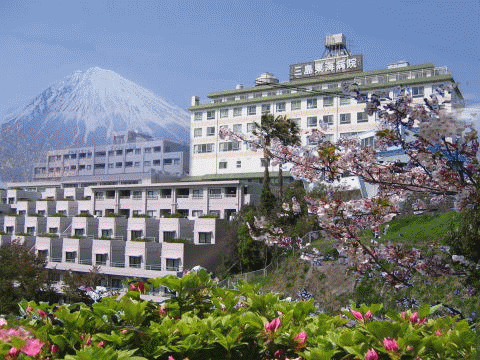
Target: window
(110, 194)
(100, 259)
(197, 213)
(110, 165)
(152, 194)
(53, 230)
(281, 107)
(286, 91)
(297, 121)
(327, 101)
(362, 117)
(111, 152)
(9, 229)
(203, 148)
(198, 116)
(328, 119)
(119, 152)
(173, 264)
(239, 163)
(99, 166)
(345, 118)
(99, 195)
(70, 256)
(418, 91)
(237, 111)
(166, 193)
(229, 146)
(223, 113)
(100, 153)
(311, 103)
(222, 165)
(167, 161)
(257, 95)
(98, 213)
(157, 149)
(230, 98)
(251, 127)
(237, 128)
(211, 131)
(230, 192)
(134, 261)
(147, 163)
(344, 101)
(157, 162)
(197, 132)
(205, 237)
(197, 193)
(31, 230)
(183, 193)
(370, 141)
(265, 108)
(128, 151)
(137, 194)
(211, 115)
(136, 164)
(252, 110)
(271, 93)
(128, 164)
(138, 151)
(118, 165)
(169, 235)
(214, 193)
(311, 121)
(151, 213)
(147, 150)
(296, 104)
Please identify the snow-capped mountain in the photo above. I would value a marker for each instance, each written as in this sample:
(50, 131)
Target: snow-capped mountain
(85, 108)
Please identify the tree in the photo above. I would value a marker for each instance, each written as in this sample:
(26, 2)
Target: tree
(439, 159)
(284, 130)
(22, 275)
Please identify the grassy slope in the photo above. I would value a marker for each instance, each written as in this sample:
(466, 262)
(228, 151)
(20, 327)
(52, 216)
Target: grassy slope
(333, 287)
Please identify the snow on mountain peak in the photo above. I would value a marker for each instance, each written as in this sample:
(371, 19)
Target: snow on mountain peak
(96, 98)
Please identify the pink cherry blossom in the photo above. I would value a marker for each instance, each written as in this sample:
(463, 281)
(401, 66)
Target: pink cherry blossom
(414, 318)
(42, 313)
(368, 315)
(101, 344)
(171, 357)
(390, 344)
(371, 355)
(438, 333)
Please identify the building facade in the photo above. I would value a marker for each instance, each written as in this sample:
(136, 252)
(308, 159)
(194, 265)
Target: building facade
(130, 154)
(314, 97)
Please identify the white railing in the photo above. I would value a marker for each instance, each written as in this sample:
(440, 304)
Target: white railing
(153, 267)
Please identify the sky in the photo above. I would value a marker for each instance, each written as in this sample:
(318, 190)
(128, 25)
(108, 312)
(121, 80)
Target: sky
(182, 48)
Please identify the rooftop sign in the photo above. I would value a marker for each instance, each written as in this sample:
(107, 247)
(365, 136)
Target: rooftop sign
(327, 66)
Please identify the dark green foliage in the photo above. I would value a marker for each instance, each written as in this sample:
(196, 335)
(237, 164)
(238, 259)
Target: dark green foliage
(22, 275)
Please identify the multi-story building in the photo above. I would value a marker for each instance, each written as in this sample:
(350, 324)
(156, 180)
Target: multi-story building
(132, 156)
(315, 96)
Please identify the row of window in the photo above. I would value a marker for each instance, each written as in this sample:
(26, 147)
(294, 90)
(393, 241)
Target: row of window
(279, 107)
(311, 122)
(87, 155)
(167, 193)
(222, 147)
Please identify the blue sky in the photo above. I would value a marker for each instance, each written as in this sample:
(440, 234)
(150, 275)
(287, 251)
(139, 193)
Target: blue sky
(182, 48)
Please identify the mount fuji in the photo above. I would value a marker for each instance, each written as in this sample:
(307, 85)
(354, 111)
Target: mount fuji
(85, 108)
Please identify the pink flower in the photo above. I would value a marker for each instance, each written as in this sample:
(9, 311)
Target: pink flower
(42, 313)
(32, 347)
(438, 333)
(171, 357)
(423, 321)
(3, 322)
(123, 331)
(89, 340)
(14, 352)
(132, 287)
(371, 355)
(29, 309)
(101, 344)
(357, 315)
(368, 315)
(301, 339)
(162, 311)
(409, 348)
(54, 349)
(414, 318)
(390, 344)
(141, 286)
(273, 325)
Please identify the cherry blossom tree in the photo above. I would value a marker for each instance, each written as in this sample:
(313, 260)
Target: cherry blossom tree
(439, 159)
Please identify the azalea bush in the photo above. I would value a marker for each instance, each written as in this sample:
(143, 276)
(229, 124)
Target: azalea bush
(207, 322)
